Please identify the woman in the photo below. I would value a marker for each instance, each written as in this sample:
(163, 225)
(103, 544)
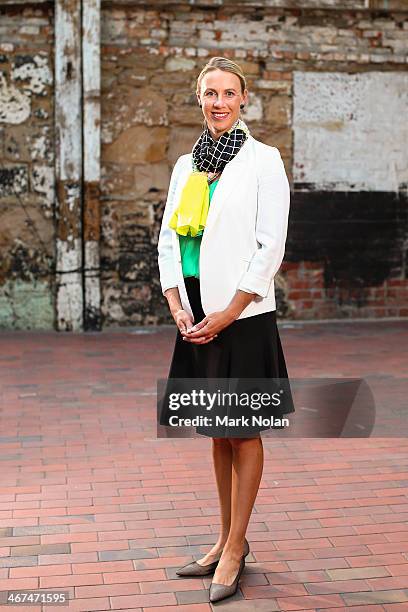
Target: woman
(221, 243)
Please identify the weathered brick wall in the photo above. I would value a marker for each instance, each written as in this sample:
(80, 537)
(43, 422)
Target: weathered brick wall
(150, 117)
(346, 252)
(26, 168)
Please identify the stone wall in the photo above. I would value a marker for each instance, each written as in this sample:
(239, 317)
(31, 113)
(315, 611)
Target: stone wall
(27, 264)
(327, 87)
(340, 261)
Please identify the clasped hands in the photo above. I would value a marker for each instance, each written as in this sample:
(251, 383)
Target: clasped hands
(206, 330)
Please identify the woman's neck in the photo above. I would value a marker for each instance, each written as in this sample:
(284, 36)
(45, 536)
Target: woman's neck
(217, 135)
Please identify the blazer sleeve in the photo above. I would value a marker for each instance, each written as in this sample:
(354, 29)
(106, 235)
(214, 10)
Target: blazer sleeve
(271, 224)
(166, 261)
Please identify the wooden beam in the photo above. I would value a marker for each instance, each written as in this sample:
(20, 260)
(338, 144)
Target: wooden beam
(68, 127)
(92, 154)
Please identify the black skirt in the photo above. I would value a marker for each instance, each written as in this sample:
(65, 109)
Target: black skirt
(249, 348)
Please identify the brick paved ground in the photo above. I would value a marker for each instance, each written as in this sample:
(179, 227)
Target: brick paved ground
(92, 502)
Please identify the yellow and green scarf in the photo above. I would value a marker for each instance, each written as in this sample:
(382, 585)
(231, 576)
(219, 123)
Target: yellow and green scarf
(208, 155)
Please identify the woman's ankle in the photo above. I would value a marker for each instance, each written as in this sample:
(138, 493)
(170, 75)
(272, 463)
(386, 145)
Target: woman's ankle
(234, 547)
(222, 539)
(219, 545)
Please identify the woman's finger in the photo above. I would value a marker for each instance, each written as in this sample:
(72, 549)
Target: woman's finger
(206, 340)
(204, 331)
(181, 325)
(202, 340)
(199, 325)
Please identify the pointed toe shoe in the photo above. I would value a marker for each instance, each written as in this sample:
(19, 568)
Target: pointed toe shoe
(222, 591)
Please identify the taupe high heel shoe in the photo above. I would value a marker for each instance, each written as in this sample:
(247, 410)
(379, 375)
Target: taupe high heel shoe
(195, 569)
(222, 591)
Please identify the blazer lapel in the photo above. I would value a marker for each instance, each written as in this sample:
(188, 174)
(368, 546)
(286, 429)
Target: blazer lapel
(229, 179)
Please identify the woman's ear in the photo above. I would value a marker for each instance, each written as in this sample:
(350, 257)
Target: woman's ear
(245, 97)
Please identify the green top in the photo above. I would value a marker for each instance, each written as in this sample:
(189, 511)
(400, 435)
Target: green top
(190, 248)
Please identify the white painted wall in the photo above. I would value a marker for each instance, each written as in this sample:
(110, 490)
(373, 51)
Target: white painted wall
(351, 130)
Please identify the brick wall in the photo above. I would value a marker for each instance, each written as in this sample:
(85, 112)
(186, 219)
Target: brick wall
(150, 117)
(27, 263)
(346, 251)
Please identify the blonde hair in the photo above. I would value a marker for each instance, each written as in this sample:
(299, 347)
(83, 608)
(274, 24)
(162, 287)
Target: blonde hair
(222, 63)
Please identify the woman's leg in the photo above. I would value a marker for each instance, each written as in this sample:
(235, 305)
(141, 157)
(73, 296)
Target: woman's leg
(247, 466)
(222, 459)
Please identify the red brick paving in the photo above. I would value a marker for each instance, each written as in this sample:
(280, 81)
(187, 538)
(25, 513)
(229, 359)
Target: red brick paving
(93, 503)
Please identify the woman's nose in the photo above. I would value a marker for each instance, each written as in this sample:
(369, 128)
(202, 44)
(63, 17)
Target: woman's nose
(219, 101)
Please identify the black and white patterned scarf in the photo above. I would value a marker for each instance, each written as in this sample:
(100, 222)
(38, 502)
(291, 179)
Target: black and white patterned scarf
(211, 155)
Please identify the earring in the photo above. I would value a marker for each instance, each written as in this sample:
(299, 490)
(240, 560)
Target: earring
(200, 105)
(242, 106)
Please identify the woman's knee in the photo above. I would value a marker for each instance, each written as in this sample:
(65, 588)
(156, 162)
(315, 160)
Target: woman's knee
(221, 442)
(240, 442)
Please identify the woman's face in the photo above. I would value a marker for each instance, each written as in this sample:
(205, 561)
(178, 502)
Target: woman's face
(220, 95)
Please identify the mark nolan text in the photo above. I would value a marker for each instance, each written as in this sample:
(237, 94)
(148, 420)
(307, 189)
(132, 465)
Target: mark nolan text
(205, 421)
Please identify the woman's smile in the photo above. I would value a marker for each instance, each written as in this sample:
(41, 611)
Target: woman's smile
(219, 116)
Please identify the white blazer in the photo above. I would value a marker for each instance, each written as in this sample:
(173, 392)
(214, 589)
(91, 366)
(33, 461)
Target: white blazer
(244, 239)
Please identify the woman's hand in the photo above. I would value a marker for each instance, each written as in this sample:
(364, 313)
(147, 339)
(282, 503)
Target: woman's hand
(182, 320)
(208, 329)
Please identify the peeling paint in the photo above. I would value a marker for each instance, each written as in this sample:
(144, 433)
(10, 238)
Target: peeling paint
(35, 71)
(7, 47)
(68, 211)
(43, 181)
(41, 147)
(92, 286)
(69, 281)
(13, 180)
(91, 24)
(15, 106)
(69, 161)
